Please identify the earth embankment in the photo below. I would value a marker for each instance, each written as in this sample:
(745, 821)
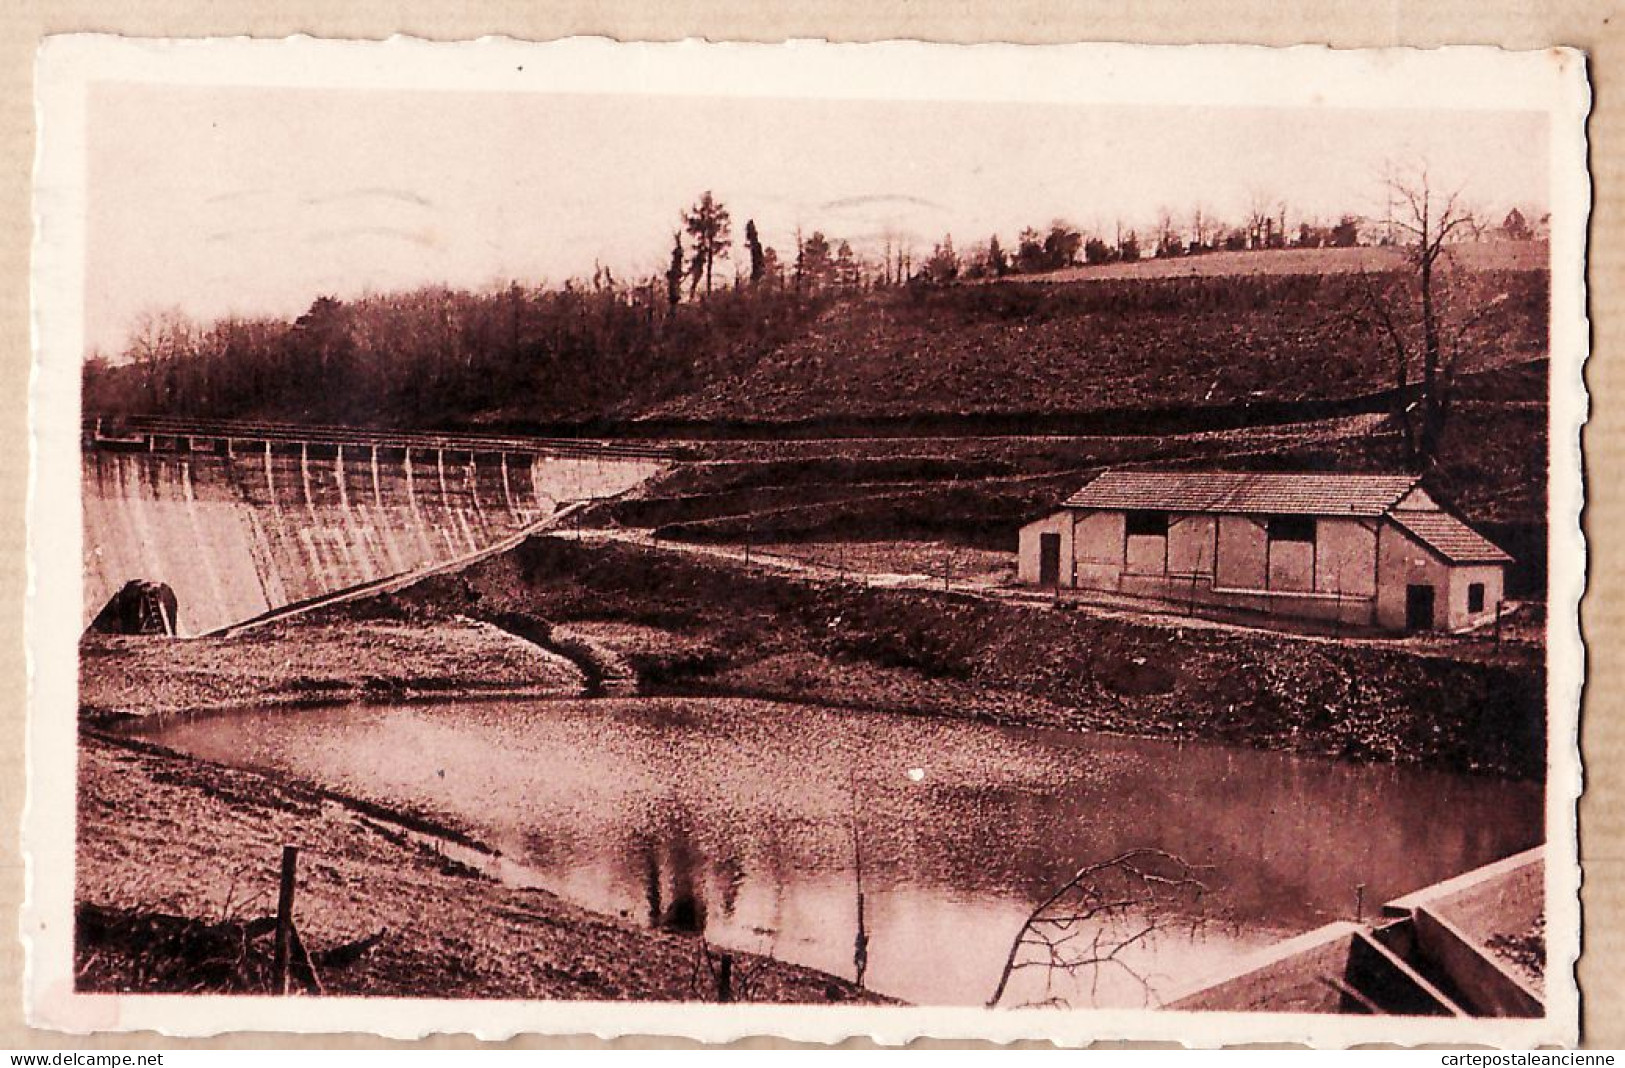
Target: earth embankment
(694, 626)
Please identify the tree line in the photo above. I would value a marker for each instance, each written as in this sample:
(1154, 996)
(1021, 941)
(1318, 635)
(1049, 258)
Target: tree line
(587, 348)
(606, 347)
(1265, 227)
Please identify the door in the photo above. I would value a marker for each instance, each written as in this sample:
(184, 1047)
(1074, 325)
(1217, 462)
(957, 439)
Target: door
(1049, 559)
(1418, 607)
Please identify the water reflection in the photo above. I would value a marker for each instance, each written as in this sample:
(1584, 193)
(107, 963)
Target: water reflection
(799, 832)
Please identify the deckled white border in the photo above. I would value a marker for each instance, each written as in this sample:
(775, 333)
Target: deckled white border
(1552, 82)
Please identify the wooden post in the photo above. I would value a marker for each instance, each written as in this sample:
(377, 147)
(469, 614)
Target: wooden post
(284, 917)
(725, 979)
(1498, 606)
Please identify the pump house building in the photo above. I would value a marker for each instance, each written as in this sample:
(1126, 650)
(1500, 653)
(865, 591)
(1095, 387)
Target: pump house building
(1372, 550)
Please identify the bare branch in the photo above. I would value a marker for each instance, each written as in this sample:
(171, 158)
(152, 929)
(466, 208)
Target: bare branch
(1103, 910)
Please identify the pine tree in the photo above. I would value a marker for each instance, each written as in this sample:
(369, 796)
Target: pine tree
(758, 258)
(674, 273)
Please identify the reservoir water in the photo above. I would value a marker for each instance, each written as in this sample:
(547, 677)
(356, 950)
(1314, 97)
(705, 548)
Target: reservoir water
(751, 822)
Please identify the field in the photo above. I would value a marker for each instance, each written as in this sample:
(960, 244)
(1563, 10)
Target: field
(1479, 256)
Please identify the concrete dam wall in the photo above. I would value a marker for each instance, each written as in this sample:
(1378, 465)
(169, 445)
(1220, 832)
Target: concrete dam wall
(240, 525)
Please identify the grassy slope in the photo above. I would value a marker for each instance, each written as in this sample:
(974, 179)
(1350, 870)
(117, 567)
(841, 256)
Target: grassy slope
(1102, 344)
(950, 655)
(1015, 348)
(980, 491)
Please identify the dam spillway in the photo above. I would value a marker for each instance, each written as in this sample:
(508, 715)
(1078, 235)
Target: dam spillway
(243, 519)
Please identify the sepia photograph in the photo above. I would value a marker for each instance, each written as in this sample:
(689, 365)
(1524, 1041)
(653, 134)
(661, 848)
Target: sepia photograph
(1005, 541)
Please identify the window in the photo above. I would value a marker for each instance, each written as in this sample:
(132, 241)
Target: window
(1154, 524)
(1292, 528)
(1475, 597)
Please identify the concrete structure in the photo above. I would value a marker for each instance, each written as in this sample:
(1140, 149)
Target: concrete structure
(241, 520)
(1370, 550)
(1430, 953)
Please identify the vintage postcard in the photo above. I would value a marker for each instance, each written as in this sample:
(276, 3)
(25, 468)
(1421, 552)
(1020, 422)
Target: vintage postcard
(808, 540)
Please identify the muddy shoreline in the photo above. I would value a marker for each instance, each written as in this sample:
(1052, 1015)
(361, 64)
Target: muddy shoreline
(176, 872)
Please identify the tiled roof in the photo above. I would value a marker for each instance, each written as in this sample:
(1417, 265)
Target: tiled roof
(1253, 493)
(1450, 537)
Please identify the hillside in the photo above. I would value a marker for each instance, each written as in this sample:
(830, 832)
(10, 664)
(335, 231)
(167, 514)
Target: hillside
(1019, 348)
(1263, 330)
(939, 412)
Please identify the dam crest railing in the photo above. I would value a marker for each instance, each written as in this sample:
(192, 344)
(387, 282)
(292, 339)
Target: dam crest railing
(169, 434)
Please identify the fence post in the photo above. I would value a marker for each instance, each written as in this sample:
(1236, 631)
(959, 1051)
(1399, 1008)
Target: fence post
(725, 979)
(284, 917)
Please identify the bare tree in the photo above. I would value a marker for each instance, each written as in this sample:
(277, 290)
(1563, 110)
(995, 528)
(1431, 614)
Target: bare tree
(1260, 218)
(1169, 240)
(1202, 228)
(1099, 914)
(1427, 220)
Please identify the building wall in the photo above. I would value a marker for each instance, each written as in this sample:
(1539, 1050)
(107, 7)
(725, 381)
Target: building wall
(1145, 554)
(1099, 550)
(1417, 500)
(1243, 562)
(1355, 611)
(1292, 566)
(1027, 552)
(1191, 546)
(1346, 557)
(1402, 562)
(1463, 577)
(1355, 571)
(1224, 561)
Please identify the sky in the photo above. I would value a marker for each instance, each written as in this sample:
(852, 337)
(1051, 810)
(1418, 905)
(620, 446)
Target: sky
(253, 201)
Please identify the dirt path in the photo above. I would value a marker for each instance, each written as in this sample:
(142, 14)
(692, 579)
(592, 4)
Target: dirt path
(1100, 605)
